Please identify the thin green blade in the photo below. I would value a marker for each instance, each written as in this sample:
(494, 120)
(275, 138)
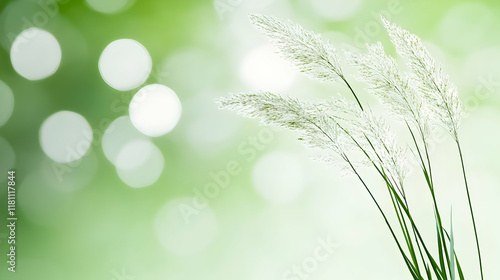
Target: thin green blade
(452, 248)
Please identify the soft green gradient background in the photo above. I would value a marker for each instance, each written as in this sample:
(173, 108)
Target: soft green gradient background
(106, 228)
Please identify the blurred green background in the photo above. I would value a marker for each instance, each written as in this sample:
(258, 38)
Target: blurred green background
(232, 200)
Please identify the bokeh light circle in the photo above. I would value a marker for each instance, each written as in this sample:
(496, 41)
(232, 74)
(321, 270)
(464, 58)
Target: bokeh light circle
(140, 163)
(35, 54)
(278, 177)
(155, 110)
(183, 229)
(6, 103)
(110, 6)
(264, 69)
(118, 134)
(125, 64)
(65, 136)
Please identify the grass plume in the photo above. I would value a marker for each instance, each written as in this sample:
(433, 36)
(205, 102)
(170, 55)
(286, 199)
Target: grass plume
(421, 99)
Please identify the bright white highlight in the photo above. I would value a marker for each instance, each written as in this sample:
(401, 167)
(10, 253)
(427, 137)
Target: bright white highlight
(65, 136)
(264, 69)
(155, 110)
(278, 177)
(35, 54)
(125, 64)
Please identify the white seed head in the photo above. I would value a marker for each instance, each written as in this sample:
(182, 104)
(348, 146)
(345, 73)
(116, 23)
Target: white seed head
(440, 96)
(394, 89)
(304, 48)
(317, 129)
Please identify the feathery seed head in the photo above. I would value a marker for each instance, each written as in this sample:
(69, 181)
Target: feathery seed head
(304, 48)
(372, 134)
(316, 127)
(440, 96)
(384, 79)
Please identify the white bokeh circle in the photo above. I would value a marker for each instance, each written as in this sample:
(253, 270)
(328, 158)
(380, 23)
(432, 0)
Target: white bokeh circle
(184, 230)
(35, 54)
(6, 103)
(278, 177)
(125, 64)
(155, 110)
(263, 69)
(140, 163)
(65, 136)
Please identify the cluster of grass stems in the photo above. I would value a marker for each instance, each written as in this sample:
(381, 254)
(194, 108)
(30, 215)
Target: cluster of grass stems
(419, 260)
(426, 90)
